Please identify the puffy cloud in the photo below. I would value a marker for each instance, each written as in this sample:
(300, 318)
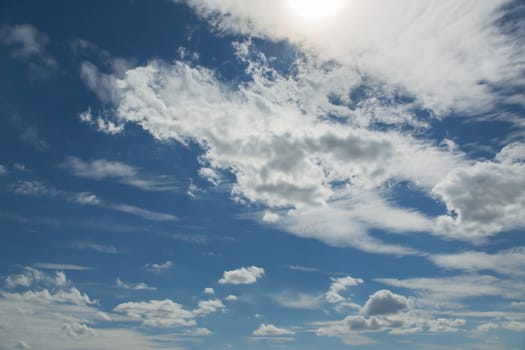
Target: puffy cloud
(158, 313)
(482, 199)
(243, 275)
(507, 262)
(384, 302)
(231, 297)
(100, 169)
(132, 286)
(31, 277)
(271, 330)
(209, 290)
(206, 307)
(167, 313)
(339, 285)
(78, 329)
(157, 268)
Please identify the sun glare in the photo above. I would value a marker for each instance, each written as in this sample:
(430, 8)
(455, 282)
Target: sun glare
(314, 10)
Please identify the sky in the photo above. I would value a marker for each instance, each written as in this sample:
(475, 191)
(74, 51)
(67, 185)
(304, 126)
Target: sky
(263, 174)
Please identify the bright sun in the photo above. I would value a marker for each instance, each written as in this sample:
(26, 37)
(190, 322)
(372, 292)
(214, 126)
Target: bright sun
(314, 10)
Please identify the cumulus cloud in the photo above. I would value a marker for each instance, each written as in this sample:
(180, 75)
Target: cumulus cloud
(333, 296)
(243, 275)
(482, 199)
(231, 297)
(384, 302)
(134, 286)
(461, 41)
(209, 290)
(271, 330)
(167, 313)
(157, 268)
(75, 329)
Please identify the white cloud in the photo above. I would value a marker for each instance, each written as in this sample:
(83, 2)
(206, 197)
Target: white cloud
(167, 313)
(209, 290)
(206, 307)
(384, 302)
(297, 300)
(445, 289)
(157, 313)
(30, 277)
(484, 198)
(508, 262)
(231, 297)
(21, 345)
(271, 330)
(64, 318)
(100, 169)
(37, 188)
(288, 157)
(157, 268)
(134, 286)
(198, 332)
(461, 51)
(28, 44)
(243, 275)
(54, 266)
(78, 329)
(99, 248)
(333, 296)
(103, 124)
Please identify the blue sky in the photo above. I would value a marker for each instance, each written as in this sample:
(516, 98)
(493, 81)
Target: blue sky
(262, 174)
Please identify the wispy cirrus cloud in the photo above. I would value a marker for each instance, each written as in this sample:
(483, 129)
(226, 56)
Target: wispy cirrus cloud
(103, 169)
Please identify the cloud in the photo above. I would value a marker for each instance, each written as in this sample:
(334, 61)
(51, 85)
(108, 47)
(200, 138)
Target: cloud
(483, 199)
(99, 248)
(276, 155)
(28, 44)
(21, 345)
(157, 313)
(296, 300)
(231, 297)
(157, 268)
(271, 330)
(100, 169)
(243, 275)
(198, 332)
(3, 170)
(64, 318)
(439, 289)
(134, 286)
(102, 124)
(209, 290)
(30, 277)
(339, 285)
(507, 262)
(303, 268)
(206, 307)
(167, 313)
(384, 302)
(37, 188)
(78, 329)
(54, 266)
(461, 41)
